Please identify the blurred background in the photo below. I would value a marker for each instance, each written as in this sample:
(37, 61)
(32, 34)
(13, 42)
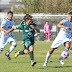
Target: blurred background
(52, 11)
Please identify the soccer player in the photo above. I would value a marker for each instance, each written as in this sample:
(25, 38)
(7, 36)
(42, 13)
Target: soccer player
(28, 28)
(63, 37)
(6, 25)
(47, 31)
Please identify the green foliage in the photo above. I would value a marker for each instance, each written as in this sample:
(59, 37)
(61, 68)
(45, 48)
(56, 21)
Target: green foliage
(22, 63)
(41, 6)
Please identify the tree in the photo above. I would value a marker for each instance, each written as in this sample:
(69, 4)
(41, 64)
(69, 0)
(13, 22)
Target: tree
(40, 6)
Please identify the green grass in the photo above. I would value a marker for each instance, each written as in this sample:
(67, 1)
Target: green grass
(22, 63)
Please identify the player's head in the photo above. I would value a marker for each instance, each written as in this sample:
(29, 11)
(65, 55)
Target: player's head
(46, 22)
(28, 18)
(10, 15)
(70, 16)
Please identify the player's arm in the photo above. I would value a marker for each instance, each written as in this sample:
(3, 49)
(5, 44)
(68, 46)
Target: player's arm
(33, 27)
(10, 30)
(19, 29)
(2, 29)
(3, 24)
(62, 26)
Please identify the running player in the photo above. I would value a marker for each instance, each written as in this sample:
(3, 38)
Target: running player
(63, 37)
(6, 25)
(28, 28)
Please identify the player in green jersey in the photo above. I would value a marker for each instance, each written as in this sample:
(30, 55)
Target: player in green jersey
(28, 28)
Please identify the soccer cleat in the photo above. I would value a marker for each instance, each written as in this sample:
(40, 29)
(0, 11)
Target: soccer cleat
(45, 65)
(61, 61)
(7, 56)
(16, 55)
(33, 63)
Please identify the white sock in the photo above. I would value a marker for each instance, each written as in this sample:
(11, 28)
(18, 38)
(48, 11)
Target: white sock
(47, 57)
(18, 53)
(11, 49)
(32, 61)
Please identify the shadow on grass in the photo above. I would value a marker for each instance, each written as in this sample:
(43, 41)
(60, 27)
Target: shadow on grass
(55, 67)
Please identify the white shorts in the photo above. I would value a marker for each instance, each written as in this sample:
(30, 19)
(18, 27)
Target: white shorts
(58, 41)
(6, 39)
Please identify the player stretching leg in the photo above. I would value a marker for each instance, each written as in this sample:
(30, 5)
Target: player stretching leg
(63, 37)
(28, 28)
(6, 25)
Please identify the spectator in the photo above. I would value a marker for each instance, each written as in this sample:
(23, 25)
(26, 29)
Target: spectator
(47, 31)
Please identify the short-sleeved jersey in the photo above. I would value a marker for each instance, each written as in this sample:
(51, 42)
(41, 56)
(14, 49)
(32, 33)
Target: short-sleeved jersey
(22, 22)
(64, 33)
(28, 32)
(47, 27)
(7, 24)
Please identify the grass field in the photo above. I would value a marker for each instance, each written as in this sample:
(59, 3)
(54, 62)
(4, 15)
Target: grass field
(22, 63)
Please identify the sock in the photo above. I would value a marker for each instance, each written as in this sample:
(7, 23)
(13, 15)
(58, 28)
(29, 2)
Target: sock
(47, 57)
(61, 58)
(65, 49)
(21, 52)
(31, 56)
(11, 49)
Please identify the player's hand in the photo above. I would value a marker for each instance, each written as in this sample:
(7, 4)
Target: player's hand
(6, 33)
(32, 26)
(67, 28)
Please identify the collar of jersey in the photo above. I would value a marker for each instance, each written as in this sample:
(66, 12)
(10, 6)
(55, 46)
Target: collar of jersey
(8, 20)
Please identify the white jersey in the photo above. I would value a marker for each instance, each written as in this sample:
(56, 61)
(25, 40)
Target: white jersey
(64, 35)
(7, 24)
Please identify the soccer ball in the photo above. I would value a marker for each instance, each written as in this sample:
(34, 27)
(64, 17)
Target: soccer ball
(65, 54)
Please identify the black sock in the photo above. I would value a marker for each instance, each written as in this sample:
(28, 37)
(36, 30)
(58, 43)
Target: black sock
(21, 52)
(31, 56)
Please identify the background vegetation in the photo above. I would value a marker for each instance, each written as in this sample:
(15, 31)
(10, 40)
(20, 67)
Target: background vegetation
(41, 6)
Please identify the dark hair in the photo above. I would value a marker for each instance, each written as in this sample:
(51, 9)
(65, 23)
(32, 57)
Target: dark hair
(70, 13)
(10, 12)
(46, 21)
(27, 17)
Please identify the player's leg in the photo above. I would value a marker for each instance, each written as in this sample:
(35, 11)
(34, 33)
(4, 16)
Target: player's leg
(48, 36)
(13, 43)
(57, 42)
(31, 48)
(3, 42)
(67, 46)
(25, 51)
(48, 56)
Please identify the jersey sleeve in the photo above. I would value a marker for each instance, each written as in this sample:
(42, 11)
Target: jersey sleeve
(35, 26)
(63, 22)
(19, 27)
(22, 22)
(3, 23)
